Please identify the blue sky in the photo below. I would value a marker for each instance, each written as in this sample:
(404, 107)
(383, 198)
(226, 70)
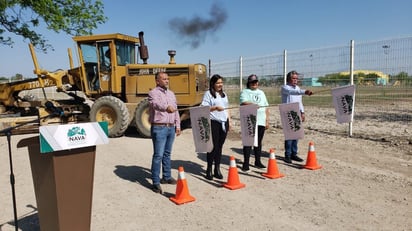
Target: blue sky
(246, 28)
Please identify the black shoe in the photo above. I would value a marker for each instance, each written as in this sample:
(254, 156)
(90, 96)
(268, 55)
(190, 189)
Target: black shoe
(218, 174)
(157, 189)
(169, 181)
(209, 175)
(245, 168)
(288, 160)
(259, 165)
(296, 158)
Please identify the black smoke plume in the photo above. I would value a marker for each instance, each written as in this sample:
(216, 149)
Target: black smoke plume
(195, 30)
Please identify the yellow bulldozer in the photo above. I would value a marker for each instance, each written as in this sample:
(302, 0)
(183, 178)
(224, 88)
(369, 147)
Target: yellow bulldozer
(109, 85)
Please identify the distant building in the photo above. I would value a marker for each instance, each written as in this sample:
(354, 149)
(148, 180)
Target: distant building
(382, 79)
(311, 82)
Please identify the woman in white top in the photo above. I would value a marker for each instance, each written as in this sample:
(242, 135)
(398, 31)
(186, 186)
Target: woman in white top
(218, 101)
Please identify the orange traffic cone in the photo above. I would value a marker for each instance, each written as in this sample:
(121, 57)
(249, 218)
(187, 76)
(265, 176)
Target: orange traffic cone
(233, 178)
(272, 171)
(182, 192)
(311, 162)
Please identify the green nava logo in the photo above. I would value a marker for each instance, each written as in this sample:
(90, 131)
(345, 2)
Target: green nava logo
(76, 135)
(346, 102)
(293, 120)
(251, 124)
(204, 128)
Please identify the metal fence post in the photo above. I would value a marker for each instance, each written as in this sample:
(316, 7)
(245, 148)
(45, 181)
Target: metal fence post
(284, 66)
(241, 73)
(351, 63)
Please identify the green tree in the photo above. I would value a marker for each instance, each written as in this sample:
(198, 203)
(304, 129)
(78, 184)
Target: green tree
(402, 77)
(17, 77)
(3, 79)
(24, 17)
(334, 79)
(264, 83)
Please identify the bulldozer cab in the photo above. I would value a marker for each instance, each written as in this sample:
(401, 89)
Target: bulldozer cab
(102, 58)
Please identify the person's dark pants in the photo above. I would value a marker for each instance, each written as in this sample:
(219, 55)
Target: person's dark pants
(257, 150)
(218, 139)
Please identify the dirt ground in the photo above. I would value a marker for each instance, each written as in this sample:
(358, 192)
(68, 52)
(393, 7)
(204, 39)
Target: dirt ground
(365, 183)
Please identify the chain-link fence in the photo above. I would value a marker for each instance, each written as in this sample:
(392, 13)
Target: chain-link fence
(381, 71)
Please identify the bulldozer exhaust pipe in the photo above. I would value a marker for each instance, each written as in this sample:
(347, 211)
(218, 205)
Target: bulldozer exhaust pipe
(143, 51)
(171, 54)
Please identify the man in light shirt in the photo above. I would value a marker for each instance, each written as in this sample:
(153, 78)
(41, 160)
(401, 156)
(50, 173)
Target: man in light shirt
(292, 93)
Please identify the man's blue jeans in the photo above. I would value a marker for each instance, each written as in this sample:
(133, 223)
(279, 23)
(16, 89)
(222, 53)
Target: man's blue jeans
(291, 148)
(162, 139)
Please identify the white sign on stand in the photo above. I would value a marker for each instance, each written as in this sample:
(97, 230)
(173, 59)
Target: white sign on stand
(70, 136)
